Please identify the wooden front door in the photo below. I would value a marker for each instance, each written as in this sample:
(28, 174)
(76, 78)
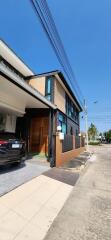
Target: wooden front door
(39, 135)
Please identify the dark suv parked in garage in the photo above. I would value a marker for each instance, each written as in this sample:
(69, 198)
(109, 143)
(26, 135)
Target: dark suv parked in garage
(12, 150)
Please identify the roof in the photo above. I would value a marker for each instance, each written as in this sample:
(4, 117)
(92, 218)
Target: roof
(10, 56)
(25, 86)
(61, 76)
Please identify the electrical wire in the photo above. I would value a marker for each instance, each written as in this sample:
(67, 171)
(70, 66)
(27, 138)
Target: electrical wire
(41, 9)
(54, 28)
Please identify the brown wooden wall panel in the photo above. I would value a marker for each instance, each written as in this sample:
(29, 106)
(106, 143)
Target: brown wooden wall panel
(39, 135)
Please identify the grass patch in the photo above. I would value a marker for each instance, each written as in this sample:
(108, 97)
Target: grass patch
(34, 154)
(94, 143)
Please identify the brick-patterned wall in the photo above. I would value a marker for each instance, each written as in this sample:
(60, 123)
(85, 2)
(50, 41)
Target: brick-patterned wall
(66, 156)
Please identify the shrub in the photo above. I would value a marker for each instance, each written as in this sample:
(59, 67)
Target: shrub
(94, 143)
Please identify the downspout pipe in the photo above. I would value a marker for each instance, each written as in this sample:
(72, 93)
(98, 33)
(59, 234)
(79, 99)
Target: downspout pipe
(52, 144)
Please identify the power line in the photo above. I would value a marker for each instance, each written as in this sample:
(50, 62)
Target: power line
(51, 20)
(51, 38)
(46, 19)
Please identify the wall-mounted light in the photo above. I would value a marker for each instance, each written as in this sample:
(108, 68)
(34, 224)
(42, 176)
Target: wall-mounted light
(79, 134)
(59, 128)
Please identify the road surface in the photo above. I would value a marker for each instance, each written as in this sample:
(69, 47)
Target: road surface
(87, 213)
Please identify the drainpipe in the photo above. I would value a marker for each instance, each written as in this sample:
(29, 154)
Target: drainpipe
(51, 149)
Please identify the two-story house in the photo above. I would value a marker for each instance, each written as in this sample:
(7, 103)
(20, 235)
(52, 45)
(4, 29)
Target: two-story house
(44, 106)
(65, 119)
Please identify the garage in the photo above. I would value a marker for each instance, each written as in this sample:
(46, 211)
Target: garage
(23, 110)
(15, 105)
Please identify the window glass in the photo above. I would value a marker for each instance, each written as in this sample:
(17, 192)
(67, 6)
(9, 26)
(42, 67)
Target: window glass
(71, 109)
(71, 130)
(48, 88)
(64, 128)
(61, 119)
(48, 97)
(49, 85)
(76, 132)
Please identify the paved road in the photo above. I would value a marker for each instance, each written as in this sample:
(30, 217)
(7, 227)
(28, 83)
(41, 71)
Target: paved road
(87, 213)
(12, 177)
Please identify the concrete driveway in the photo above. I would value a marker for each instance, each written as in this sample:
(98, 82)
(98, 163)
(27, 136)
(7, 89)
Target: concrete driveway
(12, 177)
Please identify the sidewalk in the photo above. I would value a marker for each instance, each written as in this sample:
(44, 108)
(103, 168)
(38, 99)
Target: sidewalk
(28, 211)
(87, 213)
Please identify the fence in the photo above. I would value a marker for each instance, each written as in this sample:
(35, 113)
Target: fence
(67, 144)
(77, 142)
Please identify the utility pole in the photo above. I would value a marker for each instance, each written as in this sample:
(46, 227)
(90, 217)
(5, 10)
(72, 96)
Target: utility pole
(86, 125)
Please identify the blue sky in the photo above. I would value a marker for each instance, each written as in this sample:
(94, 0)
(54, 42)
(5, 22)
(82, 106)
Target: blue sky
(85, 29)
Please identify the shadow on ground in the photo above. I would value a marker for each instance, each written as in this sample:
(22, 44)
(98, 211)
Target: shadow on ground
(77, 162)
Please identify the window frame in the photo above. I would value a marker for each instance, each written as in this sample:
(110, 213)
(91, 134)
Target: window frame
(71, 110)
(49, 94)
(62, 122)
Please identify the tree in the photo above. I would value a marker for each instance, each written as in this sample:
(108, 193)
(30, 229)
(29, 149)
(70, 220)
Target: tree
(92, 132)
(108, 136)
(100, 134)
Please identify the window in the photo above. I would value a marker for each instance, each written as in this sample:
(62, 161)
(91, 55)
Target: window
(49, 88)
(70, 108)
(48, 97)
(71, 130)
(77, 116)
(61, 121)
(76, 132)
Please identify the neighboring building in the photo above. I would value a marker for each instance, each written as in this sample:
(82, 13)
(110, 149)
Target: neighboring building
(43, 105)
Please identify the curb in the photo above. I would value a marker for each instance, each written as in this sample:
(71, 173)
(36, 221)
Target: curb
(86, 166)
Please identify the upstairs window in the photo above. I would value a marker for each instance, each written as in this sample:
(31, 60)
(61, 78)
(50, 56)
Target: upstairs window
(49, 88)
(77, 116)
(71, 109)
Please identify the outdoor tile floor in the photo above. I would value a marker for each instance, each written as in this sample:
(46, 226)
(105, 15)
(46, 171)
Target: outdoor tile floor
(28, 211)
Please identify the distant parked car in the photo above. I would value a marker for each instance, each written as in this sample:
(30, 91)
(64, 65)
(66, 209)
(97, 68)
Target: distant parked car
(12, 150)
